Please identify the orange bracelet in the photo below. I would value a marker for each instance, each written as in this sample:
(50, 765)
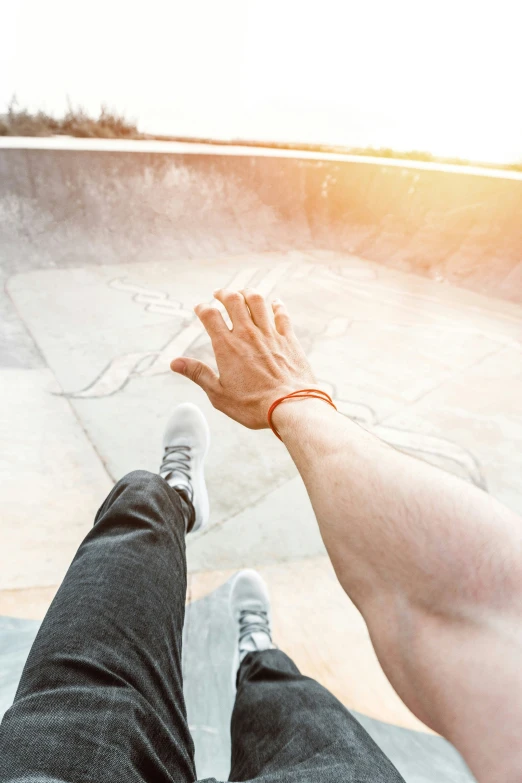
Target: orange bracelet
(316, 394)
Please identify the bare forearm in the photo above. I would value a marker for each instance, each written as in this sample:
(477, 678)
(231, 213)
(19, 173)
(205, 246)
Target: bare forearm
(434, 565)
(391, 521)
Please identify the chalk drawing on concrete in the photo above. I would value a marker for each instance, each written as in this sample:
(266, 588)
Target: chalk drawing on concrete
(117, 373)
(157, 302)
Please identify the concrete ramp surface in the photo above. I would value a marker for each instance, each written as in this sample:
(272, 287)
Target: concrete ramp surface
(104, 252)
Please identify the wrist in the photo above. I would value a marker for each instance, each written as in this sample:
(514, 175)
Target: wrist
(292, 414)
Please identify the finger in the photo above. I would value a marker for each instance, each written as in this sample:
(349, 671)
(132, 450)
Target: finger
(212, 320)
(282, 319)
(196, 371)
(258, 309)
(235, 305)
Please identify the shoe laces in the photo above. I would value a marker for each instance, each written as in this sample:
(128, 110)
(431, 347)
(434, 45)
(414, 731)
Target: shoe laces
(252, 621)
(177, 459)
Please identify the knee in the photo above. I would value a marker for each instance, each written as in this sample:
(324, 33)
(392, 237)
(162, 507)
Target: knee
(145, 499)
(141, 479)
(146, 485)
(268, 666)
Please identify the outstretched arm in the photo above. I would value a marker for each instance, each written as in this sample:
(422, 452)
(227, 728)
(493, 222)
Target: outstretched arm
(433, 564)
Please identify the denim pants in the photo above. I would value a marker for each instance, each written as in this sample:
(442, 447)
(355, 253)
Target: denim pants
(101, 696)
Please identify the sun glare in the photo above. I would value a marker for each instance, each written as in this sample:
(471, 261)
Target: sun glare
(436, 76)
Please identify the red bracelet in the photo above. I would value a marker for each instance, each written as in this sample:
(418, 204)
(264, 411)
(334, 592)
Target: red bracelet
(316, 394)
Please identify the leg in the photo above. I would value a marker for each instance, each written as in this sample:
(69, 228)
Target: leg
(286, 727)
(101, 695)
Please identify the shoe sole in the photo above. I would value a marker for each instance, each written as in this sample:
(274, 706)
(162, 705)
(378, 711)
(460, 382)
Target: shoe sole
(235, 659)
(199, 483)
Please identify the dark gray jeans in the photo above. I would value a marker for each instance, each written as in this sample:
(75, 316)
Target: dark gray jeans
(101, 696)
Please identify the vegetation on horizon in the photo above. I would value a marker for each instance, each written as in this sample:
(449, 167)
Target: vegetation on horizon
(18, 121)
(110, 124)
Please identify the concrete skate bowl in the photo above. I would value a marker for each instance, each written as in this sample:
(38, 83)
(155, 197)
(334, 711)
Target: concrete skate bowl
(104, 250)
(455, 224)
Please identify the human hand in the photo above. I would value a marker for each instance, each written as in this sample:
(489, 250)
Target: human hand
(259, 359)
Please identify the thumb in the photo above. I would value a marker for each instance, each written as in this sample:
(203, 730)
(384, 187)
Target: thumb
(196, 371)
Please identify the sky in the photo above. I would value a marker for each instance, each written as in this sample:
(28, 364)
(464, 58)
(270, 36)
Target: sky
(436, 75)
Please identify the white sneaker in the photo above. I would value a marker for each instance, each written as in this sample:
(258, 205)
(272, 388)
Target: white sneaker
(250, 609)
(185, 443)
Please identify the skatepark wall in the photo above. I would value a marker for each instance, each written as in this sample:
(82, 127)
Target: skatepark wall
(62, 200)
